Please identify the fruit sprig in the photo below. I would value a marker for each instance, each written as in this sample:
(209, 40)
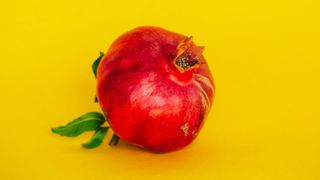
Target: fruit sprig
(92, 121)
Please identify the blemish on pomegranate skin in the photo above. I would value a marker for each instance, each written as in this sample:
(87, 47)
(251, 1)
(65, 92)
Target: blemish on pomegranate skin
(194, 133)
(174, 79)
(204, 80)
(204, 97)
(185, 129)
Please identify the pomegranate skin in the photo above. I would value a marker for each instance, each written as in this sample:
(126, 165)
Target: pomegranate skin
(148, 99)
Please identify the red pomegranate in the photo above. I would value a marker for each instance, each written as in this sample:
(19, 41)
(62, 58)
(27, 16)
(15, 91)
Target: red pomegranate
(155, 89)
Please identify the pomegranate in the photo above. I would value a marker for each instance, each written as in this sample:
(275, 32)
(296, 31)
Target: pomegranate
(155, 89)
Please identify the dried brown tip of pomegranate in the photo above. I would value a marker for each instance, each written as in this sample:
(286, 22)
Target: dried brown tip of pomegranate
(187, 55)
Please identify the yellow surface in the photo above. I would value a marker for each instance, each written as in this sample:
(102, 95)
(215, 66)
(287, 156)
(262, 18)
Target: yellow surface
(264, 55)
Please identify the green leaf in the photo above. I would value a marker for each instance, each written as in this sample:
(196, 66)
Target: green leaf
(97, 138)
(96, 64)
(87, 122)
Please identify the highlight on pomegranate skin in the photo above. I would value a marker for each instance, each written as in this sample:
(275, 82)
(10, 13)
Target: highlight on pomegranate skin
(155, 89)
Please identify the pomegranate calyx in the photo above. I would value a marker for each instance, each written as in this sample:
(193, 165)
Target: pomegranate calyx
(187, 55)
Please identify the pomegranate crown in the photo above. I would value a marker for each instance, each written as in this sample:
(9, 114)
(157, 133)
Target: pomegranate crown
(187, 55)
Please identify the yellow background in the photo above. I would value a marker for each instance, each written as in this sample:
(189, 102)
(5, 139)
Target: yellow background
(264, 55)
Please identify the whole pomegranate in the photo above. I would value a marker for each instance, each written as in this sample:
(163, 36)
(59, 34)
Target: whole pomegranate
(155, 89)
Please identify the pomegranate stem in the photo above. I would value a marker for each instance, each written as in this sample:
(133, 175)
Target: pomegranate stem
(114, 140)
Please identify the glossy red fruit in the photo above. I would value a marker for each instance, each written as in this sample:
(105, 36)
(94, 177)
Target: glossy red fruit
(155, 88)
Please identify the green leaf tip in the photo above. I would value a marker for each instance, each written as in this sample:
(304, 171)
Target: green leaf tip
(87, 122)
(96, 64)
(97, 138)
